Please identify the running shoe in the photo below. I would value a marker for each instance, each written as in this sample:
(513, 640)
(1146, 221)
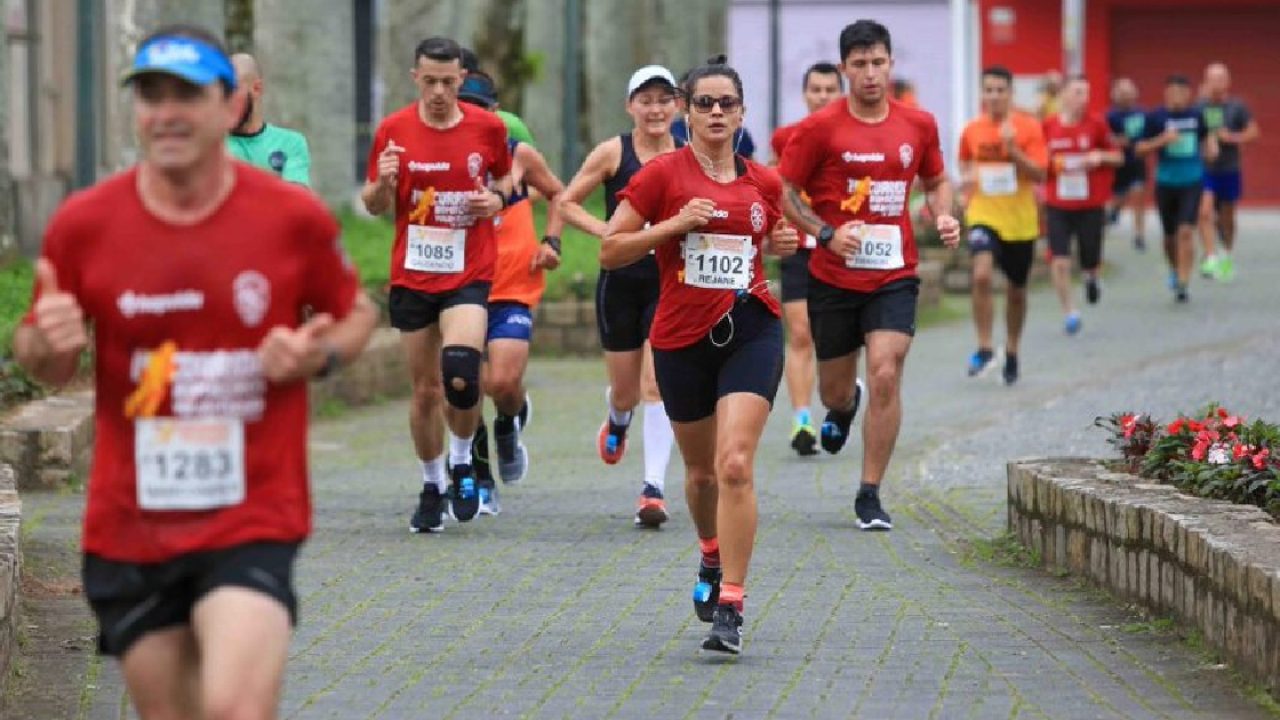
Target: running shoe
(1092, 290)
(429, 516)
(1209, 268)
(464, 495)
(1073, 323)
(513, 456)
(1139, 243)
(488, 496)
(1180, 294)
(835, 428)
(706, 594)
(1226, 269)
(870, 515)
(980, 362)
(651, 510)
(804, 440)
(612, 442)
(1172, 282)
(1010, 369)
(480, 453)
(526, 413)
(726, 631)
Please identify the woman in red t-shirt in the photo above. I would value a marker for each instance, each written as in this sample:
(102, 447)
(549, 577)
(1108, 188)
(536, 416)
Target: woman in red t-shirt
(716, 335)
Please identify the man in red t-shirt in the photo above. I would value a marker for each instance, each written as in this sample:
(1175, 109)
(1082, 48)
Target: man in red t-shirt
(433, 163)
(823, 83)
(856, 160)
(195, 271)
(1081, 161)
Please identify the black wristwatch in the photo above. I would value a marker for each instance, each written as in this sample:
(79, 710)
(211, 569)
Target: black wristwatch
(332, 361)
(501, 197)
(553, 241)
(825, 235)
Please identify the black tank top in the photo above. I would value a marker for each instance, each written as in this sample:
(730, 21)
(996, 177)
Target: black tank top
(628, 165)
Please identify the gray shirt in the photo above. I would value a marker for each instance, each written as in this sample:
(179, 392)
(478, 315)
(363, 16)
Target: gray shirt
(1234, 116)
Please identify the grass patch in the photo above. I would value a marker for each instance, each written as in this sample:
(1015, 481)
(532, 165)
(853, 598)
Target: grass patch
(951, 309)
(1155, 626)
(369, 240)
(16, 281)
(1003, 550)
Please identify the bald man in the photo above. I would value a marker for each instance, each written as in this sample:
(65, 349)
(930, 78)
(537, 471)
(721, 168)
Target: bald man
(1231, 121)
(256, 142)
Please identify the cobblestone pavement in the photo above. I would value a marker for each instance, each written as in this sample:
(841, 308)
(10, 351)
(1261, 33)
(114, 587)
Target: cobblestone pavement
(560, 608)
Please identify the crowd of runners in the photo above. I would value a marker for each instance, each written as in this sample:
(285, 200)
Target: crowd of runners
(239, 291)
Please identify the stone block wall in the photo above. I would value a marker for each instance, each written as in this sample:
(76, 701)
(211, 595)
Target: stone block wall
(1212, 565)
(10, 568)
(49, 442)
(380, 372)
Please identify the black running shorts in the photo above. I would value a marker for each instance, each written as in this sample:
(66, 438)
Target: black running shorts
(132, 599)
(744, 355)
(412, 310)
(1178, 206)
(1012, 257)
(1085, 226)
(625, 303)
(795, 277)
(840, 319)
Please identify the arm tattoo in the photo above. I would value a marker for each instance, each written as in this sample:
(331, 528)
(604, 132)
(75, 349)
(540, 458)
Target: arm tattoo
(801, 207)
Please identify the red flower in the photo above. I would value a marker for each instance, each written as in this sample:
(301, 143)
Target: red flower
(1201, 447)
(1129, 423)
(1231, 422)
(1177, 426)
(1222, 413)
(1195, 426)
(1260, 459)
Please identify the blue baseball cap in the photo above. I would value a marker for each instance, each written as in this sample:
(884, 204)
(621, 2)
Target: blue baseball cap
(195, 61)
(478, 89)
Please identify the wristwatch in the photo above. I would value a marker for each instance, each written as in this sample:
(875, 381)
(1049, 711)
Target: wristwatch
(825, 235)
(502, 198)
(553, 241)
(332, 361)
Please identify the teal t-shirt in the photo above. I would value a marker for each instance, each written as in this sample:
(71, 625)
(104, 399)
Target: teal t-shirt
(277, 149)
(1179, 163)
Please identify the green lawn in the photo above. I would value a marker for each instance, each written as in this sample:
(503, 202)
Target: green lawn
(369, 243)
(15, 296)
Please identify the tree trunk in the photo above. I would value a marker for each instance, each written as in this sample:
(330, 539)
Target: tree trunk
(8, 240)
(240, 23)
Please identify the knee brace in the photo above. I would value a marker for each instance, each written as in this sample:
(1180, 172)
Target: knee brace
(460, 366)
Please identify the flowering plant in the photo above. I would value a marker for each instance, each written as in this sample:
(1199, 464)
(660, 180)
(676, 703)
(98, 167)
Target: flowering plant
(1214, 453)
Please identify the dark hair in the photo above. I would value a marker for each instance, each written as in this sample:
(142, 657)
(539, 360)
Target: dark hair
(715, 67)
(195, 32)
(440, 49)
(822, 68)
(998, 71)
(864, 35)
(469, 59)
(1177, 79)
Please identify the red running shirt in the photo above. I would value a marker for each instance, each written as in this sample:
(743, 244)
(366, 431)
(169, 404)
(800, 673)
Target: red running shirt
(447, 248)
(780, 138)
(697, 271)
(1068, 185)
(854, 170)
(197, 299)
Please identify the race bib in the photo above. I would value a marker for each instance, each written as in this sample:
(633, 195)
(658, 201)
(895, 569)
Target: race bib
(998, 179)
(721, 262)
(1184, 147)
(1073, 183)
(435, 249)
(189, 463)
(809, 242)
(881, 248)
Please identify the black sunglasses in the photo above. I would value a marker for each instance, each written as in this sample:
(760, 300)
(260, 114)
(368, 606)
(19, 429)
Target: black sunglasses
(705, 103)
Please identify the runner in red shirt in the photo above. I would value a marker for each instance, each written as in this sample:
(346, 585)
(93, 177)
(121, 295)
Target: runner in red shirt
(822, 84)
(1081, 161)
(198, 499)
(428, 164)
(717, 340)
(857, 160)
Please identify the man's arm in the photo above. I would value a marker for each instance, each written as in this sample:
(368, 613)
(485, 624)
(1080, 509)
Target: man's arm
(1027, 166)
(599, 165)
(49, 347)
(1248, 134)
(798, 211)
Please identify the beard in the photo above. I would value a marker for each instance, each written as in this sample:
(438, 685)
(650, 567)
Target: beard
(246, 115)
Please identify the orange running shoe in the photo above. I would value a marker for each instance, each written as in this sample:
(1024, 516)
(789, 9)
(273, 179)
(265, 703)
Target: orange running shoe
(651, 510)
(612, 442)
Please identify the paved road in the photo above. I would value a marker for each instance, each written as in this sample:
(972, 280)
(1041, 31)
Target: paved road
(559, 608)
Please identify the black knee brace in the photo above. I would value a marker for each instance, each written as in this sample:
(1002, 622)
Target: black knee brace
(460, 366)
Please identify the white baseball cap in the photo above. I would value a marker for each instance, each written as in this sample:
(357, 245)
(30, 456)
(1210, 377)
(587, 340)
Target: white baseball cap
(648, 74)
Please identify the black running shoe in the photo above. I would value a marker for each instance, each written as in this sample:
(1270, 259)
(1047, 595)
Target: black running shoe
(803, 441)
(835, 428)
(1180, 294)
(1010, 369)
(726, 631)
(1092, 290)
(870, 515)
(429, 517)
(513, 456)
(1139, 243)
(980, 361)
(706, 594)
(464, 493)
(526, 412)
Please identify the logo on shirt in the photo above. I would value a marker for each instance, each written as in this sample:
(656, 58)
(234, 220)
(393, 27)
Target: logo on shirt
(1084, 142)
(252, 294)
(883, 197)
(757, 217)
(853, 157)
(905, 153)
(276, 160)
(132, 304)
(474, 163)
(721, 214)
(426, 167)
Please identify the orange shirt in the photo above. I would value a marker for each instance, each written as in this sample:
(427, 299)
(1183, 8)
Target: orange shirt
(517, 235)
(1003, 199)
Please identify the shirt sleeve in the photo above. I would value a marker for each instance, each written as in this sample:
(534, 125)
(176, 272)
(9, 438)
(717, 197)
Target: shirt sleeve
(1151, 126)
(331, 277)
(931, 163)
(375, 148)
(501, 150)
(801, 157)
(298, 169)
(1035, 148)
(644, 192)
(1245, 116)
(965, 151)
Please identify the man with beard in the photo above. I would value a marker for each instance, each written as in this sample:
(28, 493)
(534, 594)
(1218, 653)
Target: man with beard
(256, 142)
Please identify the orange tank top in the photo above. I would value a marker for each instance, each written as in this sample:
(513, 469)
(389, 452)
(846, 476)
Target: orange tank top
(517, 237)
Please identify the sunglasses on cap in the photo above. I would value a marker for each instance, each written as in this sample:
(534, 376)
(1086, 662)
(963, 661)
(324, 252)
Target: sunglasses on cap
(705, 103)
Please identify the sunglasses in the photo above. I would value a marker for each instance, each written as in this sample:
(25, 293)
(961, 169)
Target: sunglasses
(705, 103)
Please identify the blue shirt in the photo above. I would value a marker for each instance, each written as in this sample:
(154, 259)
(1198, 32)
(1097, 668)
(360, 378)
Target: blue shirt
(1179, 163)
(746, 147)
(1131, 125)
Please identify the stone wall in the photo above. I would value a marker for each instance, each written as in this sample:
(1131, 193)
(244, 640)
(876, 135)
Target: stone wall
(49, 442)
(379, 373)
(10, 569)
(1212, 565)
